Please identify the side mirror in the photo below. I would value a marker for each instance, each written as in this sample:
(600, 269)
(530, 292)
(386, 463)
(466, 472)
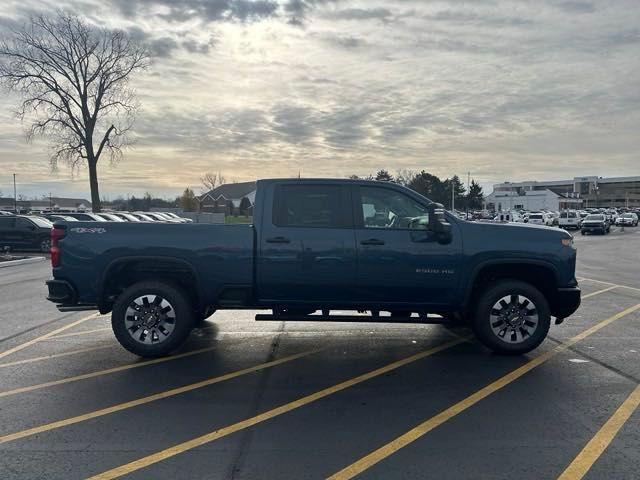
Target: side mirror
(438, 223)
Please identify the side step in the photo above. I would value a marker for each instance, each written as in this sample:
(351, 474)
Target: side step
(76, 308)
(262, 317)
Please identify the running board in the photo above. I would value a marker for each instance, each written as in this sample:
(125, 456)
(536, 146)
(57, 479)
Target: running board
(265, 317)
(76, 308)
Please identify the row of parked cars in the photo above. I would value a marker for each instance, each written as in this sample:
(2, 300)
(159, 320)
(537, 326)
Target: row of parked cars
(33, 231)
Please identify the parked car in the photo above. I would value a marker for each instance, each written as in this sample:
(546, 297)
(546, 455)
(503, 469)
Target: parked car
(595, 223)
(161, 218)
(143, 216)
(86, 216)
(111, 217)
(320, 245)
(173, 215)
(6, 214)
(540, 218)
(127, 217)
(25, 232)
(627, 219)
(509, 217)
(569, 219)
(52, 217)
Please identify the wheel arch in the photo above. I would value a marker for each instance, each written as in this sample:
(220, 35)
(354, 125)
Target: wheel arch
(539, 273)
(125, 271)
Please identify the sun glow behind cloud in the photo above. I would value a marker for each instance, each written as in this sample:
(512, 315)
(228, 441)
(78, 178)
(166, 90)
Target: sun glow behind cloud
(506, 90)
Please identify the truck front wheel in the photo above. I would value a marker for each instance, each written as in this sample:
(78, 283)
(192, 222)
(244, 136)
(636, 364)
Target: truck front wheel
(512, 317)
(151, 319)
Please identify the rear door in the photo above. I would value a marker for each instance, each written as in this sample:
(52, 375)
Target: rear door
(307, 245)
(399, 259)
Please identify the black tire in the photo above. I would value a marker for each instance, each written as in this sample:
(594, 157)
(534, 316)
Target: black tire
(488, 330)
(582, 232)
(200, 318)
(180, 308)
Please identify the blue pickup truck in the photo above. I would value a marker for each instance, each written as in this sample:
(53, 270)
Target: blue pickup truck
(318, 246)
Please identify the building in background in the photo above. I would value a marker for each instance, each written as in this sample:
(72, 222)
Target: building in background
(228, 199)
(580, 192)
(53, 204)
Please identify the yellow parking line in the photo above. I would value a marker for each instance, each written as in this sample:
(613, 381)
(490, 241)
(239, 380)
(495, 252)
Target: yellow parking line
(82, 332)
(99, 373)
(593, 294)
(599, 443)
(425, 427)
(55, 355)
(609, 283)
(222, 432)
(151, 398)
(47, 335)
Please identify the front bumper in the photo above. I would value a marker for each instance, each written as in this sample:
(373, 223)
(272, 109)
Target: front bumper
(594, 228)
(565, 302)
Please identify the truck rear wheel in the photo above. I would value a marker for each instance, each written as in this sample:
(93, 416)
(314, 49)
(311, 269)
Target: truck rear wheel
(151, 319)
(512, 317)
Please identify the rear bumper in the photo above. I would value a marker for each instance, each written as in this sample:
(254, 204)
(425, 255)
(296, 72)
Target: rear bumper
(61, 292)
(565, 302)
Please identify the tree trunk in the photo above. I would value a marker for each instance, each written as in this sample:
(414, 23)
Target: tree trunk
(93, 183)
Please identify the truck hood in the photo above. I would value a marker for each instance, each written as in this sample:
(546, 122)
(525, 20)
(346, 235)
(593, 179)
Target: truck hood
(519, 230)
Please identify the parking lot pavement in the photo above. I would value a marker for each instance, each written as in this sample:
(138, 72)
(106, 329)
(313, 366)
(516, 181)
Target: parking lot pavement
(253, 400)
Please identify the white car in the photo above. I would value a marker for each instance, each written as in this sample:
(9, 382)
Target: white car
(630, 219)
(569, 219)
(540, 218)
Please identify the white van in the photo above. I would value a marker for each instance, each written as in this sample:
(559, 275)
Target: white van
(569, 219)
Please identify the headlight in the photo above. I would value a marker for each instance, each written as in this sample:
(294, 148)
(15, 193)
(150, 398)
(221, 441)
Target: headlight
(567, 242)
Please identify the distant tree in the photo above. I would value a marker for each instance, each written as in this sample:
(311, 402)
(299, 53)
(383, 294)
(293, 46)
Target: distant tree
(456, 185)
(146, 202)
(353, 177)
(211, 181)
(428, 185)
(188, 200)
(73, 80)
(384, 176)
(245, 204)
(475, 196)
(404, 176)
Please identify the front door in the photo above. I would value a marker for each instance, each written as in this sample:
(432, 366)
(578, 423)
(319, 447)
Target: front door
(307, 245)
(399, 258)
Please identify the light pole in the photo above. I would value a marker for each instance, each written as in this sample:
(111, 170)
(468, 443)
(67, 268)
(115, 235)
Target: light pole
(15, 198)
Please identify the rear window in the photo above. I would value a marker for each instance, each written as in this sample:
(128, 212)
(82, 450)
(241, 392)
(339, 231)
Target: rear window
(536, 216)
(41, 222)
(310, 206)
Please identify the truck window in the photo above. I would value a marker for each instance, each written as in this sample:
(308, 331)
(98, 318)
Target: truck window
(310, 206)
(386, 208)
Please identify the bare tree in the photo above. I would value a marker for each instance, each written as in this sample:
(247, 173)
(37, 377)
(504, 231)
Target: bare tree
(211, 181)
(72, 78)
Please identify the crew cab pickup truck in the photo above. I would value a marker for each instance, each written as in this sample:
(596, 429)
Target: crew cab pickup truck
(319, 245)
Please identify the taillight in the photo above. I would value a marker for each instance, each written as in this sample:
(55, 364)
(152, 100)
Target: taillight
(56, 234)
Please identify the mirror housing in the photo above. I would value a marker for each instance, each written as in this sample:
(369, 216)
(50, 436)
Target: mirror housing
(438, 223)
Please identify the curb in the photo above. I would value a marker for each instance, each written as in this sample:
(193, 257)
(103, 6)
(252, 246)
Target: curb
(22, 261)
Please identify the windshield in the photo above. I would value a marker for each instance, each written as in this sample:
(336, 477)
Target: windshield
(595, 217)
(535, 216)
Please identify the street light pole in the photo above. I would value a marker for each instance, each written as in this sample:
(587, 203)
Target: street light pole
(15, 198)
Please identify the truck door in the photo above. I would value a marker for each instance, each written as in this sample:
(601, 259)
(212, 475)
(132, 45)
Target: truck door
(307, 245)
(399, 259)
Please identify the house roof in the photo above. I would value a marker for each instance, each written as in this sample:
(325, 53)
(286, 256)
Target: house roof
(61, 202)
(231, 191)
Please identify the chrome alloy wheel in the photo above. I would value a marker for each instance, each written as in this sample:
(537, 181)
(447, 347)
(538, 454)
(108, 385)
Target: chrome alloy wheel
(514, 318)
(150, 319)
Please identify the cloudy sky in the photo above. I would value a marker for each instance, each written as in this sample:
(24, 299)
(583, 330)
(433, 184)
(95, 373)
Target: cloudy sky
(508, 90)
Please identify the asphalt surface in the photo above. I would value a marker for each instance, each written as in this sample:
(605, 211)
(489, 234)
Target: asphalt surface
(254, 400)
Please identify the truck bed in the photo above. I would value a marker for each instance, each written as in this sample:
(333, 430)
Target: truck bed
(218, 254)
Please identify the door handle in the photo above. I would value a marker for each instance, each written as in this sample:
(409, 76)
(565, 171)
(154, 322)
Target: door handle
(372, 241)
(278, 240)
